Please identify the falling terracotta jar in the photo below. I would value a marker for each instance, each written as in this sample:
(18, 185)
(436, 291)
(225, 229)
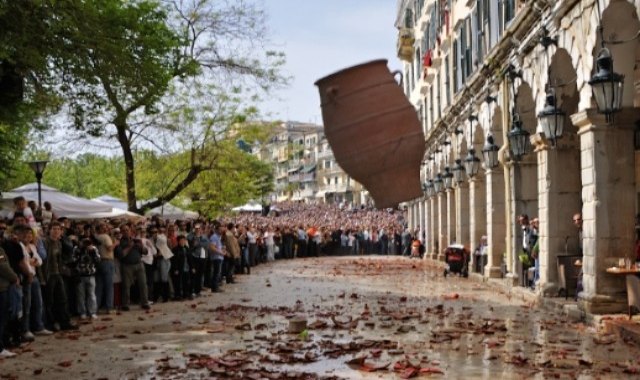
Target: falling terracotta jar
(374, 131)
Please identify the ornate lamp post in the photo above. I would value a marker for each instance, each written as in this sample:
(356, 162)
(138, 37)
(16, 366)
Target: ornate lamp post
(518, 139)
(607, 85)
(38, 168)
(552, 118)
(471, 162)
(490, 153)
(458, 171)
(447, 178)
(490, 149)
(438, 183)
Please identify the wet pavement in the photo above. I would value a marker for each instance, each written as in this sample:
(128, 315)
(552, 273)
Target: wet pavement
(367, 318)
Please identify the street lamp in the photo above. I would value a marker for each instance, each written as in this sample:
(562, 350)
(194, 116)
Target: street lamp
(438, 183)
(490, 153)
(471, 162)
(447, 178)
(551, 118)
(38, 168)
(428, 188)
(490, 149)
(458, 171)
(518, 139)
(607, 85)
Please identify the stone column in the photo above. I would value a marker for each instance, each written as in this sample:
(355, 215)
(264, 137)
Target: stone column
(496, 228)
(434, 227)
(462, 214)
(442, 225)
(451, 217)
(426, 222)
(420, 221)
(524, 200)
(477, 211)
(559, 199)
(608, 195)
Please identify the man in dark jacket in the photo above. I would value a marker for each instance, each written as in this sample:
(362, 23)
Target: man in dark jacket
(7, 278)
(199, 245)
(129, 252)
(55, 295)
(181, 269)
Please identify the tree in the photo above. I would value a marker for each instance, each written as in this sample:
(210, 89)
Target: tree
(169, 76)
(24, 48)
(238, 178)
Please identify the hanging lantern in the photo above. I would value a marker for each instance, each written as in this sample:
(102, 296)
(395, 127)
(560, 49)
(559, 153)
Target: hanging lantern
(428, 188)
(458, 172)
(552, 118)
(518, 139)
(490, 153)
(438, 183)
(447, 178)
(472, 164)
(607, 85)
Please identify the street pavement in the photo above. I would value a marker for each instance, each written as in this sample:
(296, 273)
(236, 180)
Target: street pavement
(367, 318)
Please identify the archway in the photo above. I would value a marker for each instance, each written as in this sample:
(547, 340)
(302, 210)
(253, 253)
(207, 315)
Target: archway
(524, 185)
(560, 186)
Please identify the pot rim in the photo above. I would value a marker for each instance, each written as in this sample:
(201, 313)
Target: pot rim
(342, 71)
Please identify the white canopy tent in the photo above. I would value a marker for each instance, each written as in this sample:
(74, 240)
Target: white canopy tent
(113, 201)
(251, 206)
(119, 208)
(169, 211)
(63, 204)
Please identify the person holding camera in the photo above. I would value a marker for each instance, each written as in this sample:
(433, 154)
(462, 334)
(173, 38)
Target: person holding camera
(130, 252)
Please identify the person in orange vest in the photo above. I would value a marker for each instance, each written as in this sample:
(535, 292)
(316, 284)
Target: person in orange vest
(415, 248)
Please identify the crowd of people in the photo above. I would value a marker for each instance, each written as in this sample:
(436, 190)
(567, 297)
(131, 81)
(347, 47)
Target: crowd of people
(54, 270)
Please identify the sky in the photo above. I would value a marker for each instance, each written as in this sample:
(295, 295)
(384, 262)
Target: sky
(320, 37)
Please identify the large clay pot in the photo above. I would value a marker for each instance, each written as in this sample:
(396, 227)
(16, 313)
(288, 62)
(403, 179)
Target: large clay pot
(374, 131)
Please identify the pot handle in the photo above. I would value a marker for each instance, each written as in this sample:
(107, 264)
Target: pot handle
(331, 93)
(398, 72)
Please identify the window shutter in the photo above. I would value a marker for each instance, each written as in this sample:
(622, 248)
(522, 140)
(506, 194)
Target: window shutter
(456, 79)
(476, 52)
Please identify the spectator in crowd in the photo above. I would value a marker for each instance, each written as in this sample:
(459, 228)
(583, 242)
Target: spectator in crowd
(32, 294)
(217, 254)
(7, 278)
(55, 298)
(233, 253)
(47, 214)
(181, 269)
(106, 268)
(199, 245)
(130, 252)
(86, 260)
(163, 264)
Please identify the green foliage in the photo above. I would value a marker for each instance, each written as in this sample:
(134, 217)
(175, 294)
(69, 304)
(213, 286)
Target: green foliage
(168, 79)
(88, 176)
(237, 178)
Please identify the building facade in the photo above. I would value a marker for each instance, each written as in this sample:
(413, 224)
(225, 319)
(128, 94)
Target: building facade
(305, 169)
(538, 101)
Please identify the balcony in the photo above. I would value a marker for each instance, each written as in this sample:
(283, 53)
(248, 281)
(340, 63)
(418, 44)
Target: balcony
(334, 188)
(302, 177)
(325, 154)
